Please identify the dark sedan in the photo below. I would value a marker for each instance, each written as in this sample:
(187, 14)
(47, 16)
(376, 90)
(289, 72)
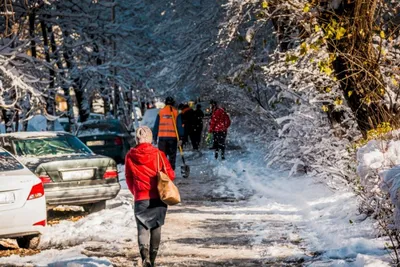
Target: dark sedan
(70, 172)
(107, 137)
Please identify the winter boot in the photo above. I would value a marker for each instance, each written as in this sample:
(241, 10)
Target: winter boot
(153, 255)
(216, 155)
(144, 253)
(223, 155)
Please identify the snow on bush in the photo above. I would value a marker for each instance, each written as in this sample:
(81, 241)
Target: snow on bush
(379, 172)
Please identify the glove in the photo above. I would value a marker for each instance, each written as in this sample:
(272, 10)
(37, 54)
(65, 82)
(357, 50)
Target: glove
(180, 143)
(209, 138)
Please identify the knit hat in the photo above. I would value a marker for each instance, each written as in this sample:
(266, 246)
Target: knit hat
(144, 135)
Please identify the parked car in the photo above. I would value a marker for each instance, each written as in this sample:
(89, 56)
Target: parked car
(70, 172)
(64, 121)
(22, 202)
(107, 137)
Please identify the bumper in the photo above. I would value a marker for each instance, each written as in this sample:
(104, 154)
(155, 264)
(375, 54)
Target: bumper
(20, 222)
(81, 195)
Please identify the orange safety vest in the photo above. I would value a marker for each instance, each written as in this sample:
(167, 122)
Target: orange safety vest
(166, 127)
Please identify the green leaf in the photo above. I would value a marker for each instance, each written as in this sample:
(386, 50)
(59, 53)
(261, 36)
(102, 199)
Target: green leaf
(264, 4)
(303, 48)
(327, 70)
(291, 58)
(340, 33)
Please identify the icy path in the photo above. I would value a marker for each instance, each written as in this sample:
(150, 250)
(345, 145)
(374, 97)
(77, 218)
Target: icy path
(234, 213)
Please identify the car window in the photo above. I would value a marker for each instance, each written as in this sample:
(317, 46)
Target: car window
(46, 146)
(95, 117)
(99, 128)
(8, 163)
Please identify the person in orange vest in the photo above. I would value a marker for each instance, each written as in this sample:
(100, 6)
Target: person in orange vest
(164, 129)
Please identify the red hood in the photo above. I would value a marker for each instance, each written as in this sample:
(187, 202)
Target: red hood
(143, 154)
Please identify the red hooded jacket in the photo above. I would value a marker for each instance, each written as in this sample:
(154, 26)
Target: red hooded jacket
(141, 171)
(220, 121)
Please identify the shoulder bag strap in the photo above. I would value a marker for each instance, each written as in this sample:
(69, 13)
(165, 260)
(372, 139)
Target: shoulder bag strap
(162, 162)
(158, 162)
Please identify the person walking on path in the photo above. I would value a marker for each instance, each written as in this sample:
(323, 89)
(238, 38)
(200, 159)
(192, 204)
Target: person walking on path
(164, 129)
(219, 124)
(197, 127)
(187, 121)
(141, 178)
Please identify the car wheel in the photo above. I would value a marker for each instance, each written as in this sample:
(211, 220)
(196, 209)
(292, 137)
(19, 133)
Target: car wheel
(29, 241)
(95, 207)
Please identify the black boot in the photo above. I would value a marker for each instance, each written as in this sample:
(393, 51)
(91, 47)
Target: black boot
(216, 155)
(144, 253)
(153, 255)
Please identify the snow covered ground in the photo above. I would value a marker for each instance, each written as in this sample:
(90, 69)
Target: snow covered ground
(234, 213)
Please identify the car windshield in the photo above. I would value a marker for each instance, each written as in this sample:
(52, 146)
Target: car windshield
(48, 146)
(8, 163)
(99, 128)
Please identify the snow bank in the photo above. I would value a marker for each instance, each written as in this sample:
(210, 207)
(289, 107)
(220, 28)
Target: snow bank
(327, 221)
(106, 226)
(379, 171)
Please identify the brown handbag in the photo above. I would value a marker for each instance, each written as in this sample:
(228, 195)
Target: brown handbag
(169, 193)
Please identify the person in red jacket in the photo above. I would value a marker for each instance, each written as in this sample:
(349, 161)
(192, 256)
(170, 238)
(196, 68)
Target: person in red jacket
(141, 166)
(219, 124)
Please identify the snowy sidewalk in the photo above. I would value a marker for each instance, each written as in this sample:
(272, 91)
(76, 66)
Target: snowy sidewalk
(234, 213)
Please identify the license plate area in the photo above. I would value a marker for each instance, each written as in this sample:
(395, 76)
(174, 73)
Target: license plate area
(81, 174)
(7, 198)
(95, 143)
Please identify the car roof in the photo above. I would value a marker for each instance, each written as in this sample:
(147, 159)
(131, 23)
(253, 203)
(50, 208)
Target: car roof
(24, 135)
(102, 121)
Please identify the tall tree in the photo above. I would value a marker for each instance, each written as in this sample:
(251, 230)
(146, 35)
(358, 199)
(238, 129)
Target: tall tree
(357, 62)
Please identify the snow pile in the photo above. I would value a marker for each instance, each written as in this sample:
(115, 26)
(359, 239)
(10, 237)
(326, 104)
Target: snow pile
(100, 226)
(379, 171)
(327, 221)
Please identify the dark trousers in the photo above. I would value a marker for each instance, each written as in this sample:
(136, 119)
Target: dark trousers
(169, 147)
(219, 142)
(150, 216)
(195, 137)
(185, 139)
(149, 238)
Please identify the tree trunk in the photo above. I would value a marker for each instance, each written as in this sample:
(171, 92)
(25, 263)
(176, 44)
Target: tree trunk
(50, 101)
(32, 32)
(84, 109)
(64, 86)
(357, 63)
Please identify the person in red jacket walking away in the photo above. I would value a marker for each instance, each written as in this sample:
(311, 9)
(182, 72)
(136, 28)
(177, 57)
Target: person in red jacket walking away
(219, 124)
(141, 178)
